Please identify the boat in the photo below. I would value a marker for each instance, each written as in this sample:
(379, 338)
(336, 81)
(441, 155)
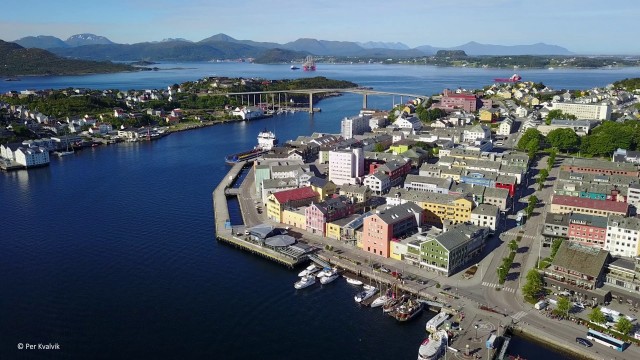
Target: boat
(408, 310)
(309, 64)
(433, 346)
(309, 270)
(328, 279)
(304, 282)
(64, 153)
(11, 79)
(364, 295)
(325, 272)
(393, 303)
(380, 300)
(513, 79)
(436, 321)
(293, 67)
(266, 141)
(353, 281)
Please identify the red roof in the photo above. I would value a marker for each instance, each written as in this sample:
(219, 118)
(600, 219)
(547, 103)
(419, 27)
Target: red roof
(295, 194)
(606, 205)
(462, 96)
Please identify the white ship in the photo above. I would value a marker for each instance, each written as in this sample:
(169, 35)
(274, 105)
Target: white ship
(436, 321)
(353, 281)
(433, 346)
(309, 270)
(266, 140)
(328, 279)
(364, 295)
(304, 282)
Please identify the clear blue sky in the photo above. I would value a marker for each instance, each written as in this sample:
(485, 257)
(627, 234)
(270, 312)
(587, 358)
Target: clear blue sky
(582, 26)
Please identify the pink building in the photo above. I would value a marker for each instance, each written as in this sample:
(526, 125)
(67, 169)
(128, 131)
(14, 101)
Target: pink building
(588, 230)
(380, 228)
(451, 101)
(319, 214)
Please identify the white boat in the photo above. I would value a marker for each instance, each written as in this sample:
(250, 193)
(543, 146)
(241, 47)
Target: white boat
(353, 281)
(309, 270)
(364, 295)
(64, 153)
(436, 321)
(328, 279)
(304, 282)
(379, 301)
(433, 346)
(325, 272)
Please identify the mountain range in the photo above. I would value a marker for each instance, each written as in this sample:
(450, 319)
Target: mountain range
(222, 46)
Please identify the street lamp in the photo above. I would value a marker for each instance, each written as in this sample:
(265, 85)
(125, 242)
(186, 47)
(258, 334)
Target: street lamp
(476, 327)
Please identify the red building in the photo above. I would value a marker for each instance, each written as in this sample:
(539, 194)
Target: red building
(395, 170)
(379, 229)
(588, 230)
(507, 182)
(451, 101)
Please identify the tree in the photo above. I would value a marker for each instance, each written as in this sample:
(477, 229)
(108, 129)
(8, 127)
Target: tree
(542, 177)
(563, 139)
(533, 286)
(563, 306)
(533, 201)
(555, 245)
(378, 147)
(597, 316)
(624, 326)
(551, 159)
(531, 139)
(558, 114)
(513, 246)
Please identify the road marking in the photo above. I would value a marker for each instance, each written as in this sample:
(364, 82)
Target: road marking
(492, 285)
(519, 315)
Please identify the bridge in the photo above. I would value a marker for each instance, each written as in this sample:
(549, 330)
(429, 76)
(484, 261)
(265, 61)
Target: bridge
(311, 92)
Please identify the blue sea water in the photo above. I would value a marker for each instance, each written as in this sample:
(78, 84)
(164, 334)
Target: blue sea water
(111, 252)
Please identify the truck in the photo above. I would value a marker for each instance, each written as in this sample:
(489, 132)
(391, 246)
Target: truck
(492, 341)
(540, 305)
(520, 218)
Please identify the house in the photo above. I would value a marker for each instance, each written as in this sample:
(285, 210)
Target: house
(379, 183)
(357, 193)
(486, 215)
(295, 217)
(438, 207)
(408, 122)
(477, 132)
(623, 236)
(428, 183)
(247, 112)
(505, 127)
(489, 115)
(623, 279)
(588, 230)
(563, 204)
(319, 214)
(450, 101)
(337, 228)
(323, 187)
(556, 226)
(293, 198)
(622, 155)
(387, 223)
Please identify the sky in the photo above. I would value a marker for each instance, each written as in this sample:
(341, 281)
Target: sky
(582, 26)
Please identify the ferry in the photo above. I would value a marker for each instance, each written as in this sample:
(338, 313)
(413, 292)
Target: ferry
(433, 346)
(266, 141)
(436, 321)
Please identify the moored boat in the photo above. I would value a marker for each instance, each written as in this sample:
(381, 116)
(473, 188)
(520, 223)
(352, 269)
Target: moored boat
(393, 303)
(304, 282)
(353, 281)
(364, 295)
(379, 301)
(328, 279)
(309, 270)
(408, 310)
(325, 272)
(293, 67)
(266, 141)
(433, 346)
(436, 321)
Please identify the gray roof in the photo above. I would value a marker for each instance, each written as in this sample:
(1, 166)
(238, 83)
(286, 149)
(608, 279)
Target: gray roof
(486, 209)
(317, 181)
(353, 189)
(631, 223)
(557, 219)
(620, 180)
(261, 231)
(624, 263)
(279, 183)
(280, 241)
(439, 182)
(346, 220)
(423, 196)
(458, 235)
(496, 193)
(392, 215)
(579, 258)
(591, 220)
(600, 164)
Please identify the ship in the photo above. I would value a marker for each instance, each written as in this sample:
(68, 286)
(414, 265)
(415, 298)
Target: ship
(266, 141)
(513, 79)
(293, 67)
(433, 346)
(309, 64)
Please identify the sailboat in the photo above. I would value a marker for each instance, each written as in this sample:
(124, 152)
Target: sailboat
(66, 152)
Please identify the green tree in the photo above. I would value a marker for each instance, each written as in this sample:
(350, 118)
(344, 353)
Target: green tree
(555, 245)
(597, 316)
(551, 159)
(563, 139)
(542, 177)
(533, 201)
(558, 114)
(563, 306)
(513, 246)
(378, 147)
(624, 326)
(530, 141)
(533, 286)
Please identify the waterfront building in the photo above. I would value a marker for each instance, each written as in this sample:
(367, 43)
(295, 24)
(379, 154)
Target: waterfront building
(439, 207)
(7, 151)
(588, 230)
(600, 167)
(346, 166)
(428, 183)
(505, 127)
(355, 125)
(388, 223)
(247, 112)
(485, 215)
(336, 229)
(584, 111)
(293, 198)
(270, 186)
(579, 268)
(357, 193)
(295, 217)
(623, 236)
(379, 183)
(319, 214)
(450, 251)
(623, 279)
(31, 156)
(563, 204)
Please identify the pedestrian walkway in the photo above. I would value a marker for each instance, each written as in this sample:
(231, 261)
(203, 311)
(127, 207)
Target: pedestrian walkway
(519, 315)
(492, 285)
(526, 236)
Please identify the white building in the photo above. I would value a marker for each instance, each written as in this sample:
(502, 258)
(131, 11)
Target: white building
(486, 215)
(409, 122)
(477, 132)
(584, 111)
(32, 156)
(522, 111)
(379, 183)
(623, 236)
(248, 112)
(346, 166)
(505, 127)
(355, 125)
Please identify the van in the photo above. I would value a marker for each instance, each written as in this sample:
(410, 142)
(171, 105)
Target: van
(540, 305)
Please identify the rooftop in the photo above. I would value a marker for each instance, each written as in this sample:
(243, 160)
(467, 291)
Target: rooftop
(582, 259)
(611, 206)
(302, 193)
(599, 164)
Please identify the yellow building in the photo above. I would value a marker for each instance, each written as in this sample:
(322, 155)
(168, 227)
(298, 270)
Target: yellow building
(323, 187)
(333, 231)
(398, 148)
(293, 198)
(294, 218)
(439, 207)
(489, 115)
(398, 250)
(336, 229)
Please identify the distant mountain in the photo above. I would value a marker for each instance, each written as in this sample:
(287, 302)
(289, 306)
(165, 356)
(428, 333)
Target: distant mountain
(278, 56)
(20, 61)
(324, 47)
(226, 38)
(473, 48)
(41, 42)
(428, 49)
(383, 45)
(175, 39)
(87, 39)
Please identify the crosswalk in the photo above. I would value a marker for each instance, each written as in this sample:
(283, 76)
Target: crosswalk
(492, 285)
(519, 315)
(516, 234)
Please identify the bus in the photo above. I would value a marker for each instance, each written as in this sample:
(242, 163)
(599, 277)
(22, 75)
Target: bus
(605, 340)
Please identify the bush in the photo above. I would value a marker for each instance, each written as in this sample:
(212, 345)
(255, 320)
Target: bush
(437, 285)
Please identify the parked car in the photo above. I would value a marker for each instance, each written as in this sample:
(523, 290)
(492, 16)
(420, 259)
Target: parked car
(384, 270)
(584, 342)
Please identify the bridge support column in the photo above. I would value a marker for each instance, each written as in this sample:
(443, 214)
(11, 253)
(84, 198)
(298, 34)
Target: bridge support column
(364, 101)
(310, 103)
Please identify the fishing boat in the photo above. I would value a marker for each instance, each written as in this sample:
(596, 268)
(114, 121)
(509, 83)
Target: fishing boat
(304, 282)
(364, 295)
(391, 305)
(353, 281)
(266, 141)
(328, 279)
(433, 346)
(408, 310)
(309, 270)
(436, 321)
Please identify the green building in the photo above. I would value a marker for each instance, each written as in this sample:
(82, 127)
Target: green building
(450, 251)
